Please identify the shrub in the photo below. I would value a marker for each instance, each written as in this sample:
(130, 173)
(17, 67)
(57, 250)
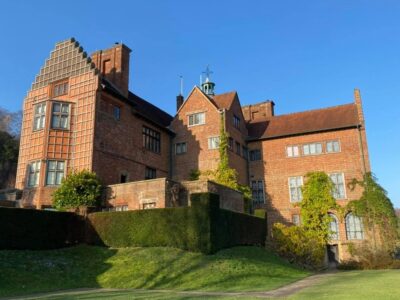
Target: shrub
(37, 229)
(298, 246)
(81, 188)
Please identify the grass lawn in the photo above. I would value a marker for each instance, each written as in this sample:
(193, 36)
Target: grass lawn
(235, 269)
(377, 284)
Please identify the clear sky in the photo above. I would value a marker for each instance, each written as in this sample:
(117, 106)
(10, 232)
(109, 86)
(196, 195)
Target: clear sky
(302, 54)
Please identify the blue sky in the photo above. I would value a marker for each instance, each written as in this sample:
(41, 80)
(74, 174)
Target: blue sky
(302, 54)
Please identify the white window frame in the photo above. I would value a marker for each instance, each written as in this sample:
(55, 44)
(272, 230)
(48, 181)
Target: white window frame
(179, 148)
(214, 142)
(60, 114)
(290, 191)
(56, 171)
(334, 193)
(354, 234)
(334, 235)
(201, 121)
(333, 141)
(33, 169)
(39, 115)
(257, 182)
(291, 152)
(309, 145)
(296, 220)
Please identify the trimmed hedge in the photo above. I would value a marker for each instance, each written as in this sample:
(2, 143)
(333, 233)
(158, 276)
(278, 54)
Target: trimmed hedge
(37, 229)
(201, 227)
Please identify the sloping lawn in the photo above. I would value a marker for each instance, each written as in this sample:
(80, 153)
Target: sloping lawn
(353, 285)
(235, 269)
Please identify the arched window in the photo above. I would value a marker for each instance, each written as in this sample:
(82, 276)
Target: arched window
(354, 227)
(333, 228)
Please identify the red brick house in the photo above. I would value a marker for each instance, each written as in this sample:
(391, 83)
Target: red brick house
(80, 114)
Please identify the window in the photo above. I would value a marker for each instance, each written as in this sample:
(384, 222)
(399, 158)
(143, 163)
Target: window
(60, 116)
(213, 142)
(338, 182)
(332, 146)
(55, 172)
(257, 190)
(295, 184)
(150, 173)
(33, 173)
(255, 155)
(117, 112)
(245, 152)
(230, 143)
(121, 208)
(180, 148)
(292, 151)
(60, 89)
(197, 119)
(149, 205)
(123, 178)
(39, 116)
(236, 122)
(312, 149)
(151, 140)
(238, 148)
(354, 227)
(333, 228)
(296, 220)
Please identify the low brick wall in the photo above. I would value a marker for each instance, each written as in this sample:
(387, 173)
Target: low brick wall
(228, 198)
(154, 193)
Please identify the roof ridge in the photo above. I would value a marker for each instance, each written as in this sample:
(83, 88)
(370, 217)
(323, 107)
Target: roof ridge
(230, 92)
(314, 110)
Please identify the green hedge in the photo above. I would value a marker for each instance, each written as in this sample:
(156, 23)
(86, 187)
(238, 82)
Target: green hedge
(37, 229)
(202, 227)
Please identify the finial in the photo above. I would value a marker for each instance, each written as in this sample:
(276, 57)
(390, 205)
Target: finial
(181, 91)
(207, 86)
(208, 72)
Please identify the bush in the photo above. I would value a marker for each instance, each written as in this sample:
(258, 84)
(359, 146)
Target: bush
(78, 189)
(298, 246)
(37, 229)
(203, 227)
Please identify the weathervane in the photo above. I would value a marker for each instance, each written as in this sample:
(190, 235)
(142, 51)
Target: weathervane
(208, 72)
(207, 86)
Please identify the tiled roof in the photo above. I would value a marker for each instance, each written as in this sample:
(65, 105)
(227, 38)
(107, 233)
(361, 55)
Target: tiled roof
(150, 111)
(141, 106)
(337, 117)
(224, 100)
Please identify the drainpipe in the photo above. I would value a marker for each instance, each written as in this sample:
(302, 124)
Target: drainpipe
(360, 141)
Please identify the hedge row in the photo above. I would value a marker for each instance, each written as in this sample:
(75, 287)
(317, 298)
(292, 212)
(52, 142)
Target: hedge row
(202, 227)
(38, 229)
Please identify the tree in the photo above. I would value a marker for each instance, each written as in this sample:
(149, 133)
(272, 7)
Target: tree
(9, 147)
(316, 204)
(81, 188)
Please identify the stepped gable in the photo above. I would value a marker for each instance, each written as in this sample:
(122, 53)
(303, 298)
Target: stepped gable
(66, 60)
(337, 117)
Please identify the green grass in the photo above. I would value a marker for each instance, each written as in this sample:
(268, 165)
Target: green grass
(377, 284)
(235, 269)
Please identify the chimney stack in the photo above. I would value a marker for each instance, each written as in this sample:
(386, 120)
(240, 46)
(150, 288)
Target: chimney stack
(113, 64)
(179, 101)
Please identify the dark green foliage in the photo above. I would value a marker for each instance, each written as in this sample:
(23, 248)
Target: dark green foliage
(81, 188)
(9, 147)
(203, 227)
(37, 229)
(194, 174)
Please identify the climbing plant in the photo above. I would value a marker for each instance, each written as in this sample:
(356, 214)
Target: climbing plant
(376, 211)
(316, 203)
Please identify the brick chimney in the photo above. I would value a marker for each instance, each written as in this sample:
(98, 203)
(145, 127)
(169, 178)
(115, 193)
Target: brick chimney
(113, 64)
(179, 102)
(259, 111)
(358, 102)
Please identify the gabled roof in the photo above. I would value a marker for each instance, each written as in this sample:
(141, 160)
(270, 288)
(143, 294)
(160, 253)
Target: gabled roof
(224, 100)
(337, 117)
